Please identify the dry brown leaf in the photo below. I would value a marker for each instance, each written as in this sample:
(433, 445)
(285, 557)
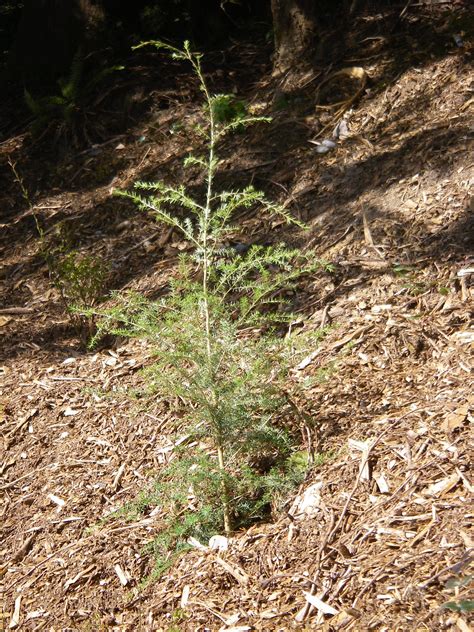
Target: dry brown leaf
(341, 620)
(268, 614)
(456, 419)
(25, 548)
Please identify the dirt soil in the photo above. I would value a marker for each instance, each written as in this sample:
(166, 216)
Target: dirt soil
(379, 537)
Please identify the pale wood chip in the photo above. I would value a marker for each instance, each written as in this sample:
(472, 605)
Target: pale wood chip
(443, 486)
(468, 541)
(367, 234)
(121, 575)
(118, 477)
(463, 626)
(381, 483)
(319, 604)
(25, 548)
(56, 500)
(15, 620)
(185, 596)
(76, 578)
(364, 447)
(236, 572)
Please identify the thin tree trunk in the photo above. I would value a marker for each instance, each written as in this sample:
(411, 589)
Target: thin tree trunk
(294, 24)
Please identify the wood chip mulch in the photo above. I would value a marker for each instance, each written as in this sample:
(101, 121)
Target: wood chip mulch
(379, 536)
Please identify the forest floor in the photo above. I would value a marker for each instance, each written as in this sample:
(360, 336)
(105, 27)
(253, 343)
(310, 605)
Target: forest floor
(379, 537)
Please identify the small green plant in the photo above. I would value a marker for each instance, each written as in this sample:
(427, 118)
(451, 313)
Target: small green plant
(178, 616)
(463, 606)
(220, 350)
(414, 284)
(65, 111)
(25, 194)
(461, 585)
(80, 279)
(299, 461)
(93, 623)
(228, 109)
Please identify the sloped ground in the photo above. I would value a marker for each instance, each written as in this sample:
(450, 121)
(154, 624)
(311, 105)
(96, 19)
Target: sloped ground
(379, 536)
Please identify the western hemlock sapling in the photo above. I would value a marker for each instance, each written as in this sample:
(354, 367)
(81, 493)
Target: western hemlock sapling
(218, 346)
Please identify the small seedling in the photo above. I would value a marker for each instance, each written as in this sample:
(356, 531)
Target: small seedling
(80, 278)
(81, 281)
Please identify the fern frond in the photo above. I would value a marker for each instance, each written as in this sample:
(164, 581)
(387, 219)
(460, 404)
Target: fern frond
(34, 105)
(70, 89)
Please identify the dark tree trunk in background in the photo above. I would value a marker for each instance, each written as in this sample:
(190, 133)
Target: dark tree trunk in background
(49, 34)
(294, 24)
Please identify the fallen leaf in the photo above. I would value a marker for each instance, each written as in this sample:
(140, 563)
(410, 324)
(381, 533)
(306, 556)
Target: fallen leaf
(25, 548)
(456, 419)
